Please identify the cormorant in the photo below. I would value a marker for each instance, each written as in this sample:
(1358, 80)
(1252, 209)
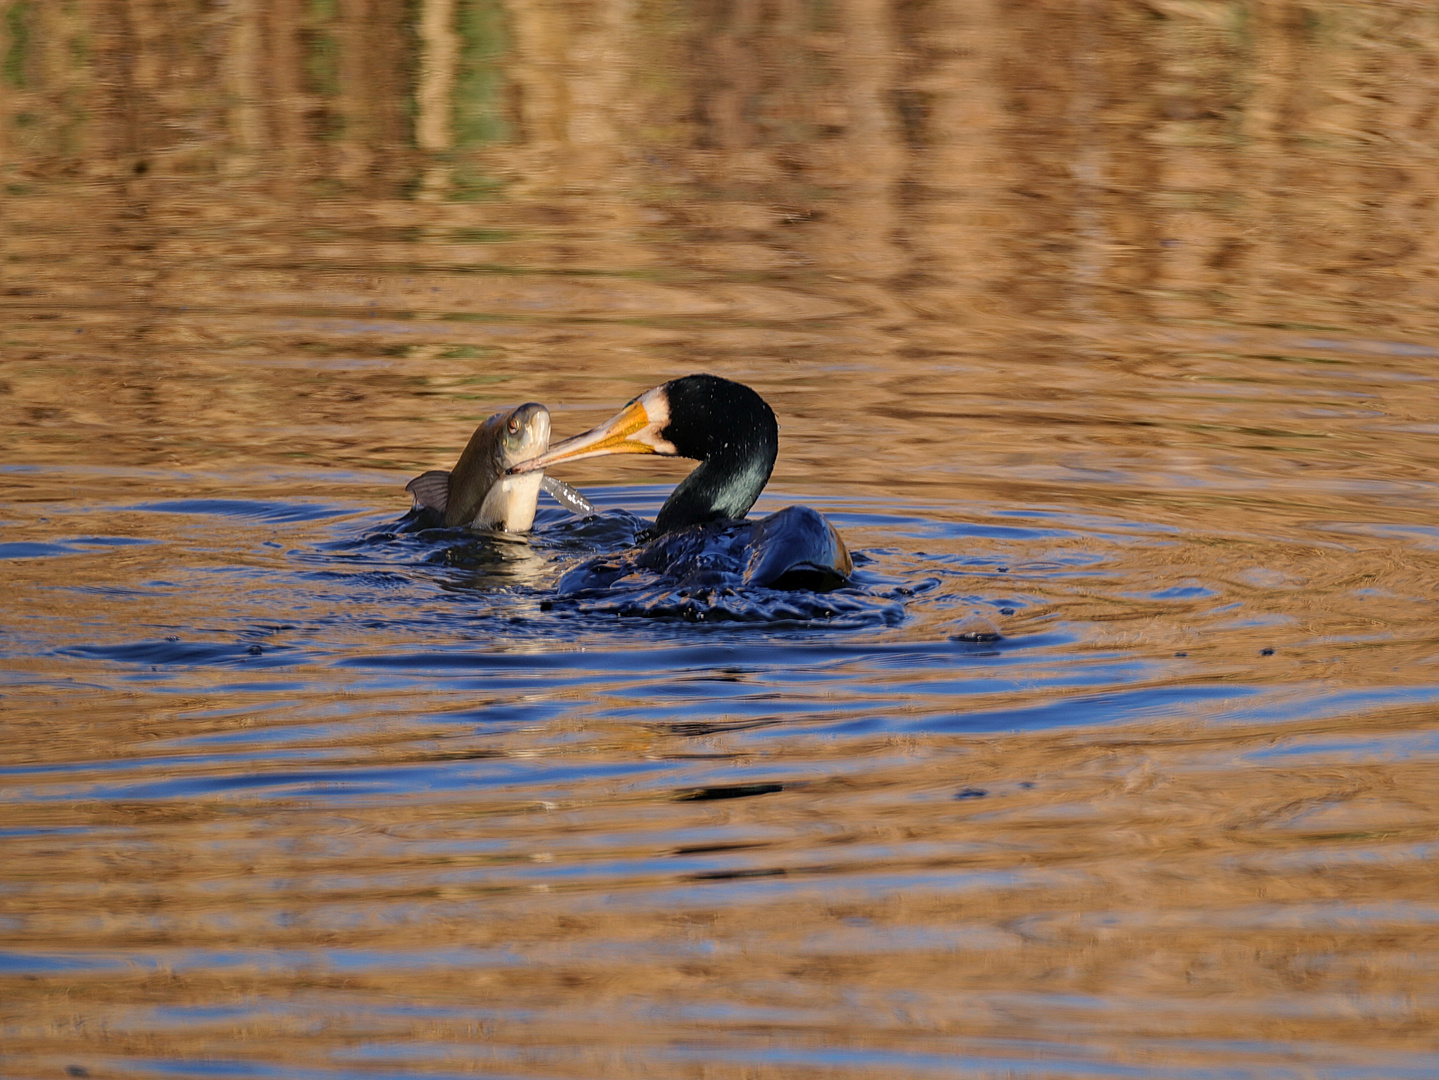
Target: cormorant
(700, 534)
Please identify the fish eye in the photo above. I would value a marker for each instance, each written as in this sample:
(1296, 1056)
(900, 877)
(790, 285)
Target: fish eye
(513, 426)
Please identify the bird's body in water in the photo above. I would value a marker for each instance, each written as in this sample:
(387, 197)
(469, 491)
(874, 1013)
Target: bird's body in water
(479, 492)
(700, 534)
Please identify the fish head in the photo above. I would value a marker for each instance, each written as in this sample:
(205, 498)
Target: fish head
(509, 503)
(479, 494)
(523, 433)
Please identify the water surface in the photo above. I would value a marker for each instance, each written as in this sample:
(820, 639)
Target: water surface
(1113, 330)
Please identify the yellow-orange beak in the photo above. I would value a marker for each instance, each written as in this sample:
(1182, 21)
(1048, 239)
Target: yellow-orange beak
(634, 430)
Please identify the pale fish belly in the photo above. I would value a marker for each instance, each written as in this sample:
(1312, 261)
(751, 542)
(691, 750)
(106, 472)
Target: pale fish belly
(510, 503)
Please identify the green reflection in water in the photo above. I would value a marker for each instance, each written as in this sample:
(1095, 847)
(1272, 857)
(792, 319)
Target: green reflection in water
(322, 54)
(17, 29)
(479, 104)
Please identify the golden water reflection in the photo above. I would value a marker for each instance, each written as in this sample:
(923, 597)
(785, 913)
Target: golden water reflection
(1117, 317)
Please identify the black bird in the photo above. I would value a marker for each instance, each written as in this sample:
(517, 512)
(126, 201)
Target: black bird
(700, 532)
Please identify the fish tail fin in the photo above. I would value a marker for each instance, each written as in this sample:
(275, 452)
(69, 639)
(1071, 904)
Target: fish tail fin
(568, 497)
(431, 490)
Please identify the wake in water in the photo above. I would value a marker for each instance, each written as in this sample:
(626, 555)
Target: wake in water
(608, 567)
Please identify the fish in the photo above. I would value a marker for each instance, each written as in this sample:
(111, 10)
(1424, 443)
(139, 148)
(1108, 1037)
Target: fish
(479, 494)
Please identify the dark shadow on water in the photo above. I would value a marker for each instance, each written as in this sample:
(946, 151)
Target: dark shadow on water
(243, 508)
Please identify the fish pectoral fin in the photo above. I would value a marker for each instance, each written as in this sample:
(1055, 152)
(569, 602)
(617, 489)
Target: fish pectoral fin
(568, 497)
(431, 489)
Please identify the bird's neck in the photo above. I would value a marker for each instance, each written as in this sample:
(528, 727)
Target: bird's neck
(724, 485)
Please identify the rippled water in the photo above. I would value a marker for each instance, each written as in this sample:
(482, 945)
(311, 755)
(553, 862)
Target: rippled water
(1112, 330)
